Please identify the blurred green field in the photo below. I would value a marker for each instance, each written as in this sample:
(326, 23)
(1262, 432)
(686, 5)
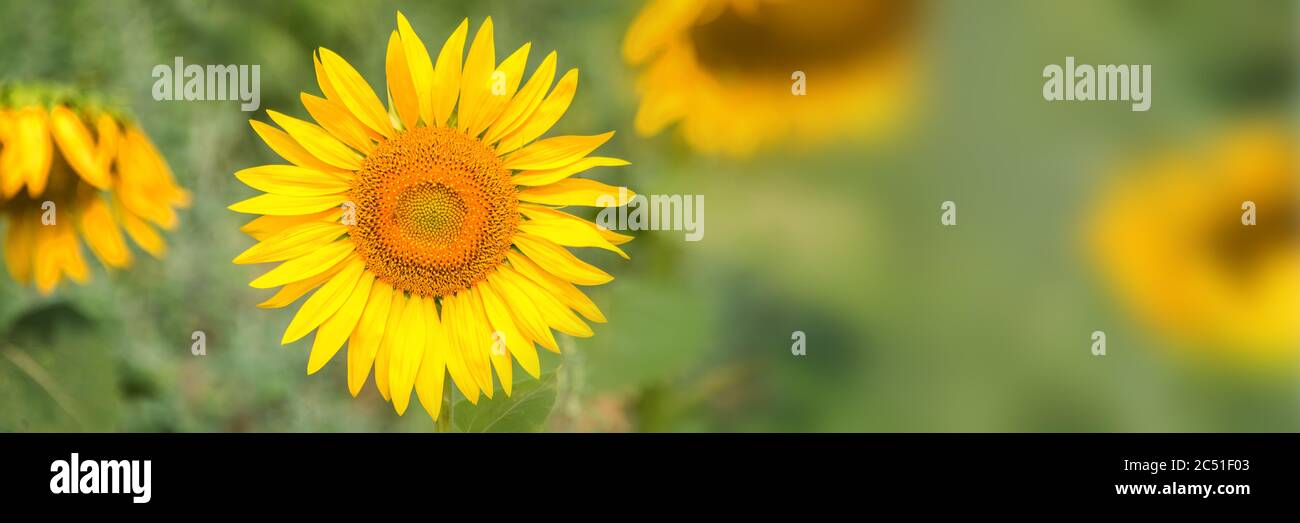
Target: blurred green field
(910, 326)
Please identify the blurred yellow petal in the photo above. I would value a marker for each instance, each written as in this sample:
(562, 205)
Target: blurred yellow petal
(33, 138)
(102, 233)
(78, 147)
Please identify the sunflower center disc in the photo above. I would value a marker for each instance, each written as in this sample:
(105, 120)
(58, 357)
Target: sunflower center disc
(435, 211)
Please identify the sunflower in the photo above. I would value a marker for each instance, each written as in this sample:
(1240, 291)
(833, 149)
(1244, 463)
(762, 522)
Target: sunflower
(726, 69)
(73, 171)
(1176, 241)
(432, 230)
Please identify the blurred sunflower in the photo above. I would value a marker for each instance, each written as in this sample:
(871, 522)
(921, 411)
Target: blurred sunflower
(726, 69)
(1172, 238)
(431, 227)
(72, 170)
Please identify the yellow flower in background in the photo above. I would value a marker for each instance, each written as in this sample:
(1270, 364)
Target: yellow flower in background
(1173, 236)
(73, 172)
(726, 69)
(431, 229)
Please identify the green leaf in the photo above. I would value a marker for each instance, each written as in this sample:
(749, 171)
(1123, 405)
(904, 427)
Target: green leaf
(525, 410)
(56, 375)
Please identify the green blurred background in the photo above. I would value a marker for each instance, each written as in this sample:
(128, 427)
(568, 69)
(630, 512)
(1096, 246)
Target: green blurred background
(910, 326)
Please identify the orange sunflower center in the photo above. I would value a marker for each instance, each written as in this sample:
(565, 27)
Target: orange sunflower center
(435, 211)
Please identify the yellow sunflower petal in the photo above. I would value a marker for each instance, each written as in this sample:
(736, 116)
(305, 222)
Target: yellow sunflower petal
(339, 122)
(558, 261)
(264, 227)
(548, 176)
(401, 87)
(459, 318)
(408, 352)
(281, 205)
(291, 292)
(552, 310)
(432, 374)
(324, 302)
(293, 242)
(364, 342)
(573, 232)
(78, 147)
(532, 209)
(501, 89)
(498, 314)
(285, 146)
(453, 355)
(527, 317)
(481, 331)
(541, 120)
(419, 65)
(447, 74)
(318, 142)
(305, 266)
(291, 180)
(476, 79)
(578, 191)
(525, 102)
(335, 330)
(355, 93)
(392, 336)
(553, 153)
(571, 296)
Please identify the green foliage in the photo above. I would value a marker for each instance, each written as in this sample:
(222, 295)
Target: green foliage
(525, 410)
